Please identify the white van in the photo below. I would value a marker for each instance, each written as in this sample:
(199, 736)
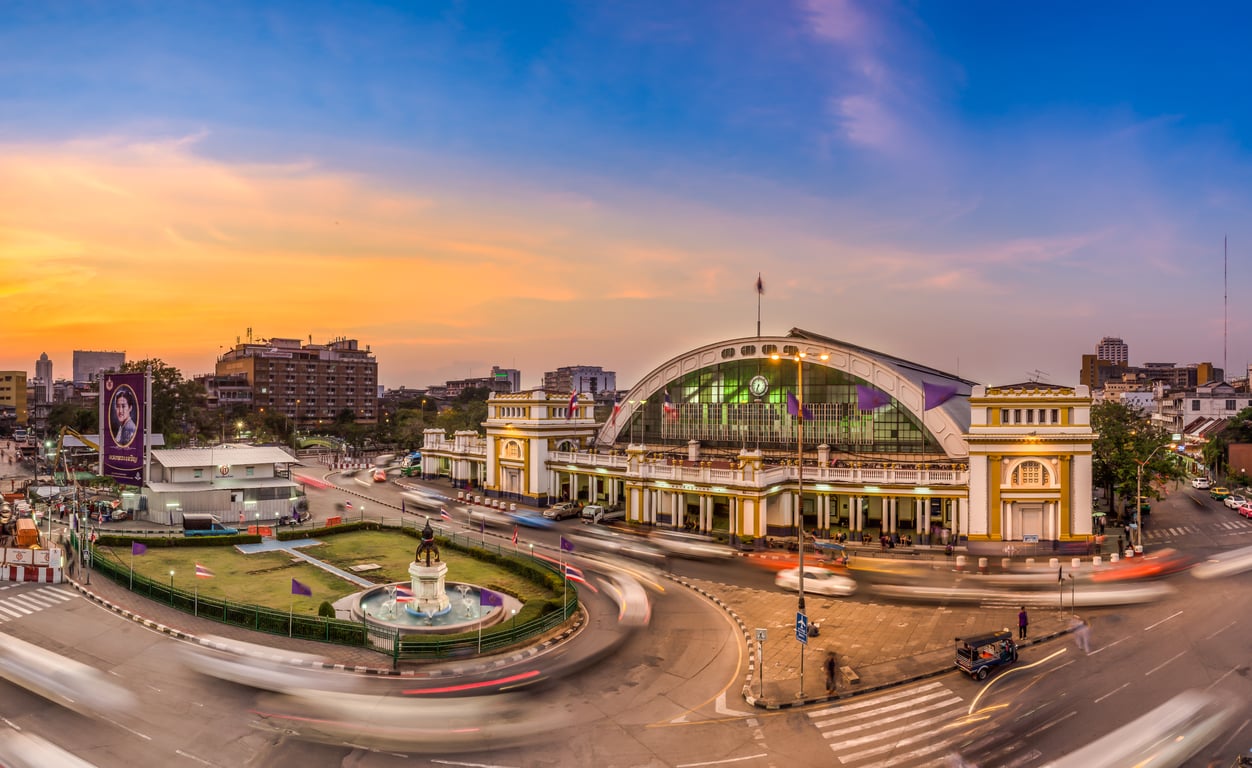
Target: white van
(594, 513)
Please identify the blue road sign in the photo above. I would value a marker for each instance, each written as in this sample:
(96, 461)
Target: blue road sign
(802, 628)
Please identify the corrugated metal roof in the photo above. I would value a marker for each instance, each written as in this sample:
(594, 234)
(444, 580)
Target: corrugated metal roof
(235, 456)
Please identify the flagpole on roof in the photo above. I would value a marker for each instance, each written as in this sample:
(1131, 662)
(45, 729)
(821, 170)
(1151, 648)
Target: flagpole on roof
(760, 289)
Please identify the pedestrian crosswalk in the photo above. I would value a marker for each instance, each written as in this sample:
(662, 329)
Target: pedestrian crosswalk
(915, 726)
(1236, 526)
(17, 601)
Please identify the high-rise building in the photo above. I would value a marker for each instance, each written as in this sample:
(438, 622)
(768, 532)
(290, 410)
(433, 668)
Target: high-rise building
(43, 373)
(311, 384)
(1113, 350)
(512, 375)
(89, 365)
(580, 378)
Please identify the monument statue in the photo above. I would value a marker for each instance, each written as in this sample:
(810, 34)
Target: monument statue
(428, 546)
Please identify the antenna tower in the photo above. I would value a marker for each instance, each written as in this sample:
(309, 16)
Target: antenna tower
(1225, 302)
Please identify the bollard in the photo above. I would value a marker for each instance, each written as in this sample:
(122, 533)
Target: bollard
(960, 562)
(1053, 563)
(1114, 558)
(1075, 563)
(1096, 560)
(982, 565)
(1030, 562)
(1005, 563)
(1130, 552)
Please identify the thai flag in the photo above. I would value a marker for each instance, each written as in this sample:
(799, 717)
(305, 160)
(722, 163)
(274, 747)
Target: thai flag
(515, 535)
(617, 408)
(444, 514)
(668, 406)
(574, 574)
(203, 573)
(404, 595)
(573, 406)
(347, 505)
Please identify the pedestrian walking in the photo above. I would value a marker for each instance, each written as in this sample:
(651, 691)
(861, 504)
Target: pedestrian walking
(1082, 635)
(1022, 622)
(830, 665)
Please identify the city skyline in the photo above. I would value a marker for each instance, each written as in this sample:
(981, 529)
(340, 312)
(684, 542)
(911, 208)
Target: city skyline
(982, 189)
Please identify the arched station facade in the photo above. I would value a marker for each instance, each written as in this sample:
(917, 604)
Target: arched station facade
(708, 441)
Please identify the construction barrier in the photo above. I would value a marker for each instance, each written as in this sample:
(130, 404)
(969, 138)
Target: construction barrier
(336, 520)
(30, 573)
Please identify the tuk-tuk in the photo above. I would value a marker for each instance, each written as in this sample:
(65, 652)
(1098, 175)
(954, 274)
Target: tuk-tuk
(977, 655)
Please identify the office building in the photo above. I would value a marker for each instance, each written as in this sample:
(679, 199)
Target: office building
(1113, 350)
(89, 365)
(13, 398)
(43, 375)
(591, 379)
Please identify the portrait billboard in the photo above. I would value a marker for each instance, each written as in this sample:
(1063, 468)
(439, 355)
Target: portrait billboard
(122, 427)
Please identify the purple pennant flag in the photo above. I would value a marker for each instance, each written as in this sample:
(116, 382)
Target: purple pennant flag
(487, 597)
(794, 407)
(937, 394)
(868, 398)
(300, 589)
(138, 549)
(567, 545)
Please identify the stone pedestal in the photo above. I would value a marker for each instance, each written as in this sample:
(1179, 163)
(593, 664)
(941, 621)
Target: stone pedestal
(429, 596)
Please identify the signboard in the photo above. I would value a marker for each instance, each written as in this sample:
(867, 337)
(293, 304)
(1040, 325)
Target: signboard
(760, 635)
(802, 628)
(1030, 538)
(122, 433)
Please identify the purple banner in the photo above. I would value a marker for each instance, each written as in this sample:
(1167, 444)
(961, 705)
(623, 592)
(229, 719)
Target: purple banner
(122, 430)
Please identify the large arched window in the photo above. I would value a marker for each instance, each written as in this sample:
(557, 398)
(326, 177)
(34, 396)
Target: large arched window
(1031, 474)
(512, 450)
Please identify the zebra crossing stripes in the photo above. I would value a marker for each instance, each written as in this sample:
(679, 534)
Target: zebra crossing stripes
(896, 729)
(15, 606)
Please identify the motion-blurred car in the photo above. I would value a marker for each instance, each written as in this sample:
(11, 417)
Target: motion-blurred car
(689, 545)
(1222, 564)
(529, 518)
(562, 511)
(607, 540)
(1219, 493)
(1235, 500)
(1202, 483)
(380, 475)
(819, 581)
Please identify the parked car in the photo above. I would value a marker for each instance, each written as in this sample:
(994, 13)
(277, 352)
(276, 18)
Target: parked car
(1235, 500)
(816, 580)
(1203, 483)
(562, 511)
(1219, 493)
(1246, 510)
(594, 513)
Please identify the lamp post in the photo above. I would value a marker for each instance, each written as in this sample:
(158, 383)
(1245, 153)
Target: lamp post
(1139, 497)
(799, 359)
(171, 584)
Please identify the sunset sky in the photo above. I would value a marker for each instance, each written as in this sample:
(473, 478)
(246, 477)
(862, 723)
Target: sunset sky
(983, 187)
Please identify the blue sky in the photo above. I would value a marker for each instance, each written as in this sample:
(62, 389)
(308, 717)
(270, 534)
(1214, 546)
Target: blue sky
(983, 187)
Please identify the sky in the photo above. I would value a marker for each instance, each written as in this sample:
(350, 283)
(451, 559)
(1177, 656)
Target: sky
(986, 188)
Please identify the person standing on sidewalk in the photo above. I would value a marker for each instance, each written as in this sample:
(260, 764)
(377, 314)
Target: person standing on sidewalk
(1022, 622)
(830, 666)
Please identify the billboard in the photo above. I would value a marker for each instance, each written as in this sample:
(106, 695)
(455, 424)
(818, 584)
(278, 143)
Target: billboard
(122, 434)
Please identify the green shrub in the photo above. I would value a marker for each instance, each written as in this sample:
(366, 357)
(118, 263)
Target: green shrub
(326, 610)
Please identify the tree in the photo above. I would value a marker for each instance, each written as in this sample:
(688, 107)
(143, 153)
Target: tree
(1124, 439)
(77, 418)
(1216, 451)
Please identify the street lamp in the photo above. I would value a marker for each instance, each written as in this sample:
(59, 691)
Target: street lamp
(171, 582)
(798, 357)
(1139, 496)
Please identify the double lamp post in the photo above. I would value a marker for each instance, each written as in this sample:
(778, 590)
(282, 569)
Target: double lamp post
(1138, 545)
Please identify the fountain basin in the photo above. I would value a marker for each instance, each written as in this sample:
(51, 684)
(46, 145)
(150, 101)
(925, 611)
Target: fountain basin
(464, 613)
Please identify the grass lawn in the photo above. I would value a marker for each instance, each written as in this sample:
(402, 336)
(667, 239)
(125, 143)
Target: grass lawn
(265, 578)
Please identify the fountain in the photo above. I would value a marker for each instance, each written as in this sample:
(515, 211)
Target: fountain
(426, 604)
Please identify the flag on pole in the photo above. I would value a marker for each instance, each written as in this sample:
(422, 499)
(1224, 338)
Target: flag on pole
(203, 573)
(515, 535)
(796, 409)
(617, 408)
(937, 394)
(402, 509)
(300, 589)
(1060, 575)
(567, 545)
(137, 549)
(668, 406)
(404, 595)
(573, 406)
(443, 512)
(487, 597)
(574, 574)
(347, 505)
(868, 398)
(760, 285)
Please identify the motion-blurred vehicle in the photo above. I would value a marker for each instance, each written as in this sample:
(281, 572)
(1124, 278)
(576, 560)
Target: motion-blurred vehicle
(634, 609)
(26, 750)
(380, 475)
(1166, 737)
(1235, 500)
(529, 519)
(255, 666)
(1203, 483)
(1160, 563)
(562, 511)
(424, 499)
(818, 581)
(978, 655)
(62, 680)
(689, 545)
(1224, 564)
(1219, 493)
(607, 540)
